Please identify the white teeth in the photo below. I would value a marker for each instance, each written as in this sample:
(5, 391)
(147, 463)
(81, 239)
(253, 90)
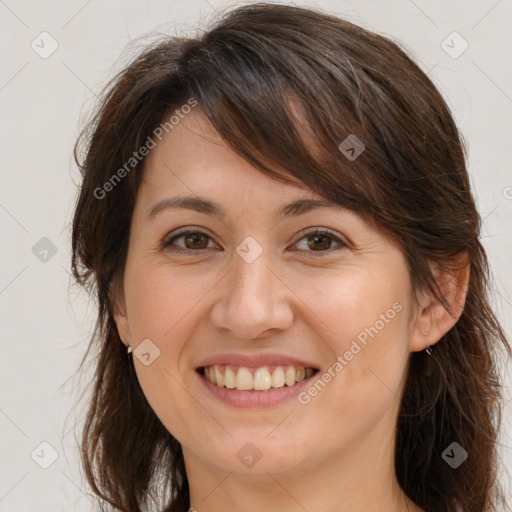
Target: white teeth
(243, 379)
(229, 378)
(219, 378)
(278, 377)
(263, 380)
(289, 376)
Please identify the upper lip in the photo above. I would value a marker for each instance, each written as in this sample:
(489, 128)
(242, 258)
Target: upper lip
(255, 361)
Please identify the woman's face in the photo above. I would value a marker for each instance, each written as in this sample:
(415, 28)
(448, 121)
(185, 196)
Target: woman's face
(258, 298)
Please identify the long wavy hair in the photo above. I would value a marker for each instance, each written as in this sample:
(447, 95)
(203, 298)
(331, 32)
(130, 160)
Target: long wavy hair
(411, 181)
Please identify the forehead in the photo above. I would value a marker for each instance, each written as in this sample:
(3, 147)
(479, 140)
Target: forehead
(193, 166)
(192, 158)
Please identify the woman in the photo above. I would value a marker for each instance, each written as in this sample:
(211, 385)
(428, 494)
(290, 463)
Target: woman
(278, 223)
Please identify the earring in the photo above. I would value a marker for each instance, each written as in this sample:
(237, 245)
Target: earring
(428, 369)
(129, 352)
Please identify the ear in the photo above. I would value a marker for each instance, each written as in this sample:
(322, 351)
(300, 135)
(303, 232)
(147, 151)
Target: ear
(119, 313)
(433, 320)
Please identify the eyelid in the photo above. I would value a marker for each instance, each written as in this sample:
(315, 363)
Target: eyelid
(183, 232)
(322, 231)
(300, 235)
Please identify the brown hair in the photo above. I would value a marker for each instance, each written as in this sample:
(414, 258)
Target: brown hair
(410, 180)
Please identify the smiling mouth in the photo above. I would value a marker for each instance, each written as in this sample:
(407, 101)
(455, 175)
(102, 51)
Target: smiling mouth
(243, 378)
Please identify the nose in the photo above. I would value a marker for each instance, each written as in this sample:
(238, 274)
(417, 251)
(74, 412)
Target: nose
(254, 301)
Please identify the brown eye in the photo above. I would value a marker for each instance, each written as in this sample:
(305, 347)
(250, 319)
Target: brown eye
(321, 241)
(195, 241)
(192, 241)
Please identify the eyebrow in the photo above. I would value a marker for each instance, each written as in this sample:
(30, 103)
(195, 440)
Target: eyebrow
(202, 205)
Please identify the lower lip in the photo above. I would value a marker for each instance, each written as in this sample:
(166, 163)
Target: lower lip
(255, 399)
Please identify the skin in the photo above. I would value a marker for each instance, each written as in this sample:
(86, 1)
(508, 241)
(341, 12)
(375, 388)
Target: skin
(335, 453)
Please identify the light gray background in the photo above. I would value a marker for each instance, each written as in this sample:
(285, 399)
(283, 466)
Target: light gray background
(45, 325)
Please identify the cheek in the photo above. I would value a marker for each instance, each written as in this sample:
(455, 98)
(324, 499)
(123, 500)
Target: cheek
(160, 307)
(164, 306)
(341, 310)
(160, 300)
(367, 316)
(363, 306)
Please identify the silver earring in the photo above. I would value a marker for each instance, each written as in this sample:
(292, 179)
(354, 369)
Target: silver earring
(129, 351)
(428, 350)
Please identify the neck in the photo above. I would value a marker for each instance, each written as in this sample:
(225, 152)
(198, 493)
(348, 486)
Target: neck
(358, 479)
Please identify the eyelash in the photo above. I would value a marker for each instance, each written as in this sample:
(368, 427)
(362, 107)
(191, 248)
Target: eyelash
(303, 234)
